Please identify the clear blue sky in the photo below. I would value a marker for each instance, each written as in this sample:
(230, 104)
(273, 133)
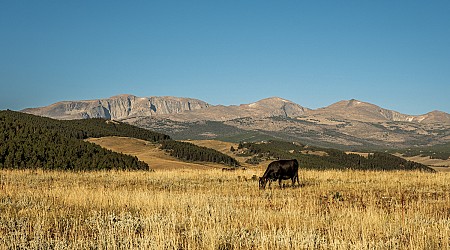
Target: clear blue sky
(395, 54)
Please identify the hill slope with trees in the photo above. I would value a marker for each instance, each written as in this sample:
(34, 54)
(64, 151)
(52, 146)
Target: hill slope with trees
(28, 141)
(322, 158)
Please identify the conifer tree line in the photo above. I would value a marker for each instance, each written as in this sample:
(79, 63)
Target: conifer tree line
(333, 158)
(28, 141)
(441, 151)
(190, 152)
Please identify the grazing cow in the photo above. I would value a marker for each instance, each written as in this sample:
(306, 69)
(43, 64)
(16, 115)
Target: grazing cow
(280, 170)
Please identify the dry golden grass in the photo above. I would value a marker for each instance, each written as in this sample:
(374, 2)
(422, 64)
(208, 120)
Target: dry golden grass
(211, 209)
(148, 152)
(426, 160)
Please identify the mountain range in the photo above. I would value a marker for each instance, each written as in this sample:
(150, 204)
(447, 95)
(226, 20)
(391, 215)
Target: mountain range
(345, 124)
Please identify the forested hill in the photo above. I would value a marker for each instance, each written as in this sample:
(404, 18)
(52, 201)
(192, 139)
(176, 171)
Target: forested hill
(321, 158)
(87, 128)
(28, 141)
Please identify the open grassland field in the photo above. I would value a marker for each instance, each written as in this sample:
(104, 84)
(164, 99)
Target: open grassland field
(437, 164)
(212, 209)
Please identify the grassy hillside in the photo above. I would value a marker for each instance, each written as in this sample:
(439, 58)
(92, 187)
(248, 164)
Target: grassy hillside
(149, 153)
(37, 142)
(436, 164)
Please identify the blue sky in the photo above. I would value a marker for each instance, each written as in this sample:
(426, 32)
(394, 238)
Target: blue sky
(395, 54)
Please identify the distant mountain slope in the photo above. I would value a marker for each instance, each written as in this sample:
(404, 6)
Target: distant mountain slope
(360, 111)
(348, 124)
(433, 117)
(367, 112)
(128, 107)
(117, 107)
(268, 107)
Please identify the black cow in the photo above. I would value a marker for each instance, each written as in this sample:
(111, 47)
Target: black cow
(280, 170)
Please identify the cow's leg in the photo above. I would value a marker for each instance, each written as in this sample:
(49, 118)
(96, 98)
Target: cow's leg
(295, 179)
(279, 182)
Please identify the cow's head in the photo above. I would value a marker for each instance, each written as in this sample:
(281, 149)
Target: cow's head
(262, 182)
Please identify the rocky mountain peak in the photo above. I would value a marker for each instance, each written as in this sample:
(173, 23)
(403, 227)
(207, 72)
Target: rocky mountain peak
(356, 103)
(276, 106)
(361, 111)
(352, 103)
(435, 116)
(118, 107)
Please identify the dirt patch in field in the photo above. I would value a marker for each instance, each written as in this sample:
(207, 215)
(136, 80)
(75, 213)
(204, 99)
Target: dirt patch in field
(318, 153)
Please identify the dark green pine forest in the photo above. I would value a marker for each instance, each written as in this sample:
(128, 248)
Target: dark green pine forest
(28, 141)
(190, 152)
(330, 158)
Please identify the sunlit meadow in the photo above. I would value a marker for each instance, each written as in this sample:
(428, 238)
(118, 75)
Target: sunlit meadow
(211, 209)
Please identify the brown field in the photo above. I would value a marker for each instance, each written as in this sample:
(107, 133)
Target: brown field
(198, 206)
(159, 160)
(427, 161)
(211, 209)
(149, 153)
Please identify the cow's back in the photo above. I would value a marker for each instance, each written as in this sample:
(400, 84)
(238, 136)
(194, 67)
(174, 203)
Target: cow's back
(281, 168)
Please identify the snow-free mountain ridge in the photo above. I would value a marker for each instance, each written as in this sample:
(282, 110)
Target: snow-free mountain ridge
(189, 109)
(118, 107)
(349, 124)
